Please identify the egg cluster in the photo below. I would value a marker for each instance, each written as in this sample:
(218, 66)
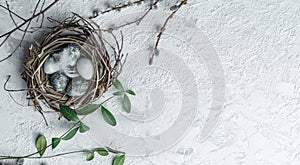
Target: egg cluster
(69, 72)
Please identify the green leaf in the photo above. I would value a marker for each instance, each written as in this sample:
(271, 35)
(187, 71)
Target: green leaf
(102, 151)
(88, 109)
(41, 144)
(114, 151)
(117, 84)
(119, 160)
(126, 104)
(130, 92)
(55, 142)
(71, 134)
(68, 113)
(83, 128)
(90, 156)
(108, 117)
(118, 93)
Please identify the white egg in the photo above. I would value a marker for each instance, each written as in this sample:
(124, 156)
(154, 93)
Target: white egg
(85, 68)
(51, 66)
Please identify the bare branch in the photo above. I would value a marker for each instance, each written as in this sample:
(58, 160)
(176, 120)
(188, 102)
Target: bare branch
(23, 36)
(30, 19)
(163, 28)
(12, 18)
(122, 6)
(138, 20)
(13, 13)
(26, 22)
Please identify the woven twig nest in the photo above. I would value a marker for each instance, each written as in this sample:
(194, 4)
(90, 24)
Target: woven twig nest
(86, 35)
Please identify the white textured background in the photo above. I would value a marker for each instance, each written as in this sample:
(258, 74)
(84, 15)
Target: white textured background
(258, 44)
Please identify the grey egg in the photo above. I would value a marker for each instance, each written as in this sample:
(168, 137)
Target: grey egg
(77, 87)
(59, 81)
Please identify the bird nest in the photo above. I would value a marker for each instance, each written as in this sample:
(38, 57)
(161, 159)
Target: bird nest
(107, 62)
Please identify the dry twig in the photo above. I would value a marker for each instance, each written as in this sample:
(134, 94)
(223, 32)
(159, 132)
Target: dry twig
(26, 23)
(117, 8)
(163, 28)
(138, 20)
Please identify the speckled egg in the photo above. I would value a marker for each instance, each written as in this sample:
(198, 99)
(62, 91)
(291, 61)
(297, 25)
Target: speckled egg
(59, 81)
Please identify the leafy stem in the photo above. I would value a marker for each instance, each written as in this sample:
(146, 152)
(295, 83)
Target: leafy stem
(44, 148)
(71, 115)
(107, 115)
(37, 157)
(61, 154)
(30, 155)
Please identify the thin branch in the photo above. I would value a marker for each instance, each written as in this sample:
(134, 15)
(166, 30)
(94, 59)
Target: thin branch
(26, 22)
(10, 95)
(138, 20)
(30, 19)
(4, 40)
(118, 7)
(14, 90)
(44, 157)
(107, 100)
(13, 13)
(29, 155)
(13, 20)
(24, 34)
(20, 90)
(61, 154)
(163, 28)
(42, 6)
(10, 15)
(45, 120)
(11, 90)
